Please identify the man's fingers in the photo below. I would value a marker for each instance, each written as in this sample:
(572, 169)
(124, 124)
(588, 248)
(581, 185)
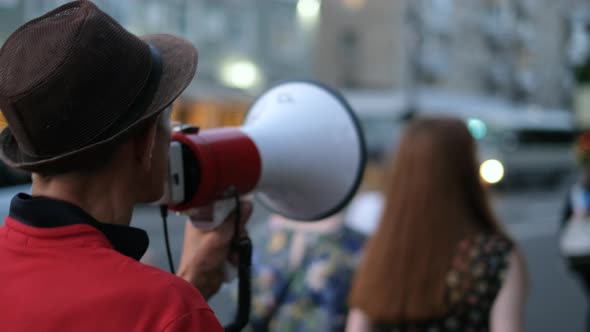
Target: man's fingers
(206, 251)
(221, 236)
(245, 213)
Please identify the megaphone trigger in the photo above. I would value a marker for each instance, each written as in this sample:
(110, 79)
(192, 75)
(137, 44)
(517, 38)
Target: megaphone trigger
(211, 216)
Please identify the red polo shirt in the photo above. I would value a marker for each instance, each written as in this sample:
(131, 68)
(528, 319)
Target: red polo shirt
(63, 271)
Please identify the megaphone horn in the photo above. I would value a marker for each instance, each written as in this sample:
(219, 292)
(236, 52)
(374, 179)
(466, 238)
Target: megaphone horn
(300, 149)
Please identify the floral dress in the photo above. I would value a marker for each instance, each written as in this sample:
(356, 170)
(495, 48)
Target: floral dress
(311, 296)
(475, 279)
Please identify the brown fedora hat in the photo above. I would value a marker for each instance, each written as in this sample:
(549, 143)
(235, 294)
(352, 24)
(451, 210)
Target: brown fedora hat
(74, 83)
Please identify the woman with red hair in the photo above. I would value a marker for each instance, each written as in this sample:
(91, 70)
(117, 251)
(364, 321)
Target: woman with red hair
(439, 260)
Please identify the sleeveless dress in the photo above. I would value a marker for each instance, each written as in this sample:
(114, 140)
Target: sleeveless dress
(477, 273)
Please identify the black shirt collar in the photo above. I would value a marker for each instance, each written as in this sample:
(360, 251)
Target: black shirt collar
(46, 212)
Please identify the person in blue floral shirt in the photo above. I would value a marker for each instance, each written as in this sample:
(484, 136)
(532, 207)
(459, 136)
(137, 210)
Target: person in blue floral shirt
(302, 273)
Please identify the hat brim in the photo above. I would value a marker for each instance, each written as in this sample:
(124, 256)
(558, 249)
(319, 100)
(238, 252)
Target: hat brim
(179, 63)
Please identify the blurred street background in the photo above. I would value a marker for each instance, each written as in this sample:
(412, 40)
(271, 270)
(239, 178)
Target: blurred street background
(517, 71)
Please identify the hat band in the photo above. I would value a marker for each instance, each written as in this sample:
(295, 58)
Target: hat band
(141, 103)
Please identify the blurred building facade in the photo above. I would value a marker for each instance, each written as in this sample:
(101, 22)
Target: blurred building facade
(244, 45)
(11, 15)
(361, 44)
(510, 49)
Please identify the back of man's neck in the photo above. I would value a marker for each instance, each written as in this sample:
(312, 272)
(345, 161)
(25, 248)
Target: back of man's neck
(105, 202)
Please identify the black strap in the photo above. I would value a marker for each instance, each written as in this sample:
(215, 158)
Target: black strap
(243, 246)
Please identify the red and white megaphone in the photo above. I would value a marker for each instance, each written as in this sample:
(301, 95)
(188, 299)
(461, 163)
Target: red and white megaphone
(300, 150)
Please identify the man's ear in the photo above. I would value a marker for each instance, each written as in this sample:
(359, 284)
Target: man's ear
(144, 146)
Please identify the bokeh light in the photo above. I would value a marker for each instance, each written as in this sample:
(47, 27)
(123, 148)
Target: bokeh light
(240, 73)
(477, 128)
(491, 171)
(308, 9)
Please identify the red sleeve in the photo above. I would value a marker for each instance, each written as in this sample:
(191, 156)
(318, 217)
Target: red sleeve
(195, 321)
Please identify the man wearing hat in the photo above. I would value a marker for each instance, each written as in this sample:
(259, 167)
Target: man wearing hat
(87, 105)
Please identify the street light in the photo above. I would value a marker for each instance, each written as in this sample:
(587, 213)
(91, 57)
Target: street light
(491, 171)
(240, 73)
(308, 10)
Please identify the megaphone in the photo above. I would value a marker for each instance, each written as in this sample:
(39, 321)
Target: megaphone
(300, 150)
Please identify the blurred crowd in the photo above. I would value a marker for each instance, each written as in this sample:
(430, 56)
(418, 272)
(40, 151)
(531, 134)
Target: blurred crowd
(437, 259)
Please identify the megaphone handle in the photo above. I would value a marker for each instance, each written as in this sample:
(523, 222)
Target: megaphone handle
(244, 249)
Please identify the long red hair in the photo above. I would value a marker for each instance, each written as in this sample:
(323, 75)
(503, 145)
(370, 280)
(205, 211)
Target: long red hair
(434, 199)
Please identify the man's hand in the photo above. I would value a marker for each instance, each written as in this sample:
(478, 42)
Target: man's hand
(205, 252)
